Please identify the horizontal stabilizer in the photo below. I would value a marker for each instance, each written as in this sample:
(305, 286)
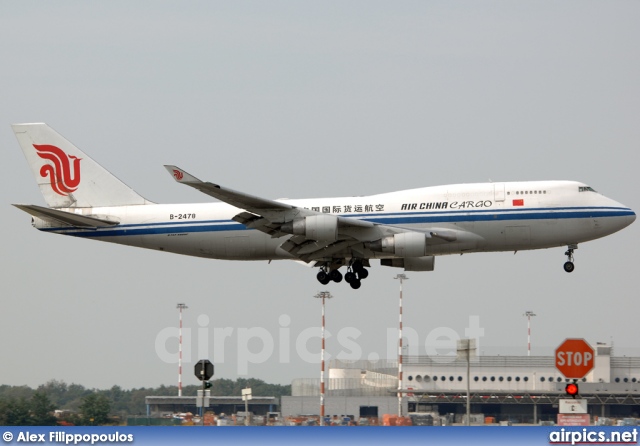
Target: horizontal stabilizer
(56, 216)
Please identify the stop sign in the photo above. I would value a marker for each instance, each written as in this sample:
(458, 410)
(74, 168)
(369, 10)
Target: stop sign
(574, 358)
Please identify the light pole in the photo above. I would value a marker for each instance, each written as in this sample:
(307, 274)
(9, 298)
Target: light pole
(322, 295)
(180, 307)
(529, 314)
(402, 278)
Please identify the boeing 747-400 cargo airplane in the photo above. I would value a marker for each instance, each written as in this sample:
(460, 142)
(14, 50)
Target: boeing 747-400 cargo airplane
(405, 229)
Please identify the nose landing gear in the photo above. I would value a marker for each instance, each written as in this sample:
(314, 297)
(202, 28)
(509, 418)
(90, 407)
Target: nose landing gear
(568, 265)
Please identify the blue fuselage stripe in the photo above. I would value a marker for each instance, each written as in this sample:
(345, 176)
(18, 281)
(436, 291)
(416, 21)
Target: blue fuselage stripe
(497, 216)
(389, 219)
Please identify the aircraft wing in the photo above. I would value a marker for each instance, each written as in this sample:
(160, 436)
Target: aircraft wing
(235, 198)
(271, 210)
(276, 218)
(269, 216)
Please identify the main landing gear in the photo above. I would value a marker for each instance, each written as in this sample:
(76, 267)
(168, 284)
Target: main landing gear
(356, 272)
(568, 265)
(325, 277)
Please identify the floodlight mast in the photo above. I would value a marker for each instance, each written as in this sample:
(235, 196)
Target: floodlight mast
(180, 307)
(402, 278)
(322, 295)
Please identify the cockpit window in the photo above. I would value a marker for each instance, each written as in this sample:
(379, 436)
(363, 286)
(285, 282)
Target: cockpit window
(586, 189)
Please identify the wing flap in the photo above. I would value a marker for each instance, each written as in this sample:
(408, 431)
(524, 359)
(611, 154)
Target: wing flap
(308, 250)
(252, 221)
(329, 250)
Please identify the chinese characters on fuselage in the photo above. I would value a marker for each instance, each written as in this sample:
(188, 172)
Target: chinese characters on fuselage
(358, 208)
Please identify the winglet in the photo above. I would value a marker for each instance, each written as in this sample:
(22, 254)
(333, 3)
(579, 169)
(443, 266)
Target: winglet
(180, 175)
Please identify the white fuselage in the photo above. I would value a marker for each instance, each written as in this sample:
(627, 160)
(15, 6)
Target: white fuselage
(501, 216)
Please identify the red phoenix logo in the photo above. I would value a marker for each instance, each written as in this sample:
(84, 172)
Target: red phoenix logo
(177, 174)
(63, 180)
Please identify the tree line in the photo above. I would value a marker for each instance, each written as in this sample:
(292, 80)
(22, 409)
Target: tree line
(24, 406)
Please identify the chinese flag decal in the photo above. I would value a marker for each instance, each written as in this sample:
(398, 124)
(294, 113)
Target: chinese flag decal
(519, 202)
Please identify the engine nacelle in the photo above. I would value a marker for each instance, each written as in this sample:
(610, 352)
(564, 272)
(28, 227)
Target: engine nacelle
(426, 263)
(314, 227)
(406, 244)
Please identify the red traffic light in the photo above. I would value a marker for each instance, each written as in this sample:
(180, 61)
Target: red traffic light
(571, 389)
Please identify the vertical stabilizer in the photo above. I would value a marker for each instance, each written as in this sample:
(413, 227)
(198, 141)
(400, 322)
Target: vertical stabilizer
(67, 177)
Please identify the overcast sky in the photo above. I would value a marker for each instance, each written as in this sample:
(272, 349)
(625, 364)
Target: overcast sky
(311, 99)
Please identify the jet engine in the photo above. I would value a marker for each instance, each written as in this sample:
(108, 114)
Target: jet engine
(426, 263)
(406, 244)
(314, 227)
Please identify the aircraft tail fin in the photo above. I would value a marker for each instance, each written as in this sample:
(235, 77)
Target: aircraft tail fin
(68, 177)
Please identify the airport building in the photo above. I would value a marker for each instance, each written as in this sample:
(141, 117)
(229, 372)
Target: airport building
(516, 389)
(520, 389)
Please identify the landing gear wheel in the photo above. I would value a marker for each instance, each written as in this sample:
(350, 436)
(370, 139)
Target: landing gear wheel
(355, 284)
(357, 266)
(350, 277)
(569, 266)
(323, 277)
(363, 274)
(336, 276)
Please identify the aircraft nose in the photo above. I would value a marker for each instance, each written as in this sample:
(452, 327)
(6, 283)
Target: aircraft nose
(624, 215)
(628, 216)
